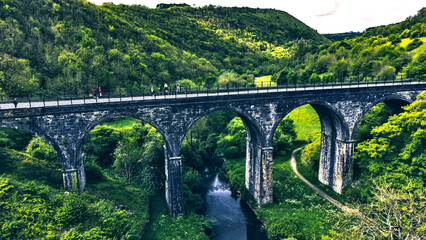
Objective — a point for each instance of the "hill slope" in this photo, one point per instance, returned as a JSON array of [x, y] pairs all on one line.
[[72, 46], [384, 52]]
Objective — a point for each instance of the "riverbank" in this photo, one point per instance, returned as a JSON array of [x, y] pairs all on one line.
[[297, 211]]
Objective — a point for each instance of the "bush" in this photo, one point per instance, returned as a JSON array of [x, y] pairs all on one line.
[[232, 143], [14, 138], [192, 179], [414, 44], [311, 156], [191, 226], [285, 227], [40, 149], [73, 211], [14, 230], [93, 171]]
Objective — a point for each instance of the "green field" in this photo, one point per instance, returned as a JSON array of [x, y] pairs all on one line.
[[264, 81], [306, 122], [121, 123]]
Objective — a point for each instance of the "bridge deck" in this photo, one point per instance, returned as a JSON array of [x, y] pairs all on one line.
[[196, 94]]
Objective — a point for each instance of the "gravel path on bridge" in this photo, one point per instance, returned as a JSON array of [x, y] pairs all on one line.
[[317, 190]]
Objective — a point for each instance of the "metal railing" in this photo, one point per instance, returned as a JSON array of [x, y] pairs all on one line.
[[51, 100]]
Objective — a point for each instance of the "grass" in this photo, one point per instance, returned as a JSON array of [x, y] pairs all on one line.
[[121, 123], [264, 81], [405, 41], [306, 122], [420, 49], [122, 194], [22, 167]]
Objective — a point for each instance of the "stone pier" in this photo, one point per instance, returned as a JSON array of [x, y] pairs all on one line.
[[174, 186]]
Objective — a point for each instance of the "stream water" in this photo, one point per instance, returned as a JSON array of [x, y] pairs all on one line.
[[234, 220]]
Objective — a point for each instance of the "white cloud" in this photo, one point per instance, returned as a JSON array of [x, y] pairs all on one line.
[[326, 16]]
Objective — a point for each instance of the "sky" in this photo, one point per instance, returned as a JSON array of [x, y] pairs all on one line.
[[325, 16]]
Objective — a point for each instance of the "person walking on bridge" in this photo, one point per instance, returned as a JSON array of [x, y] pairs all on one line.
[[100, 91], [177, 87], [165, 89], [94, 92], [15, 102]]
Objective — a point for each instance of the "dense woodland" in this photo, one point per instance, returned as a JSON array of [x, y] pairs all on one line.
[[69, 47], [74, 46]]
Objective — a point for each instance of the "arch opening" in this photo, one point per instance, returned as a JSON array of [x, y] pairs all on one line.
[[327, 135], [210, 139], [299, 127], [216, 141], [387, 107], [125, 149]]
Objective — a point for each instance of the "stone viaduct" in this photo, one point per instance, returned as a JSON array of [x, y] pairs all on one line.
[[339, 109]]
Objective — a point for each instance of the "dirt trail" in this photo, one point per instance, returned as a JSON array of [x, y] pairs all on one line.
[[319, 191]]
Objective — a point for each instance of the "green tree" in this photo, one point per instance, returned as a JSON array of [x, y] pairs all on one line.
[[285, 76], [128, 156], [397, 147], [284, 136], [232, 143], [311, 156], [100, 143], [231, 79], [341, 69], [376, 116], [16, 77]]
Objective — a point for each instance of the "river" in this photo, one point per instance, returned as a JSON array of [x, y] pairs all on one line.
[[234, 220]]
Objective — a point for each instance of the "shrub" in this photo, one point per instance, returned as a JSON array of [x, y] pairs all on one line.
[[414, 44], [14, 230], [73, 210], [93, 171], [193, 179], [311, 155], [40, 149], [284, 227]]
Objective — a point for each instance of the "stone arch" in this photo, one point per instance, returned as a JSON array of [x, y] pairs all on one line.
[[332, 120], [335, 168], [252, 126], [395, 102], [327, 113], [110, 116], [336, 147], [72, 173]]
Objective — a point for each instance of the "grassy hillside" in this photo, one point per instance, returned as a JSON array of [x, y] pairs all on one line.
[[385, 52], [306, 122], [70, 47]]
